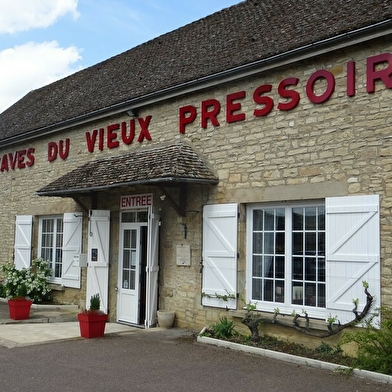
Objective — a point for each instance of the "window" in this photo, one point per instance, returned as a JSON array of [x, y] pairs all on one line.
[[134, 216], [51, 243], [286, 247]]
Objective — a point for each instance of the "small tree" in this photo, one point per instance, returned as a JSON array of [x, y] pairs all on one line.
[[374, 344]]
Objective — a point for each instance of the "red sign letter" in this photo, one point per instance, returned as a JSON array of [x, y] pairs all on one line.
[[260, 99], [52, 151], [291, 95], [382, 74], [112, 143], [144, 133], [232, 107], [187, 115], [329, 78], [125, 138], [90, 140], [210, 115], [350, 85]]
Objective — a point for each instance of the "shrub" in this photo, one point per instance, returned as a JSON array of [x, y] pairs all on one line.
[[374, 345], [224, 329], [31, 282], [95, 303]]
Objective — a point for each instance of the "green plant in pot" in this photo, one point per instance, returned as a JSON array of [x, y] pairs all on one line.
[[92, 321]]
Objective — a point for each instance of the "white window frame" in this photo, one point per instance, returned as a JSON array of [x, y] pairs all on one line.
[[352, 251], [285, 307], [55, 246]]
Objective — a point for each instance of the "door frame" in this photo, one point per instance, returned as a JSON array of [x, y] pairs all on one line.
[[122, 293], [151, 265]]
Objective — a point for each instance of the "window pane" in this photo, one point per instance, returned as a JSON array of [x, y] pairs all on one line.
[[142, 216], [310, 218], [125, 280], [279, 267], [321, 218], [297, 218], [127, 239], [258, 243], [257, 266], [126, 254], [310, 294], [279, 291], [46, 254], [128, 217], [269, 220], [269, 290], [257, 220], [298, 268], [280, 219], [269, 243], [298, 243], [310, 268], [321, 244], [279, 243], [321, 295], [257, 289], [268, 266], [298, 293], [310, 244], [132, 280], [321, 269], [133, 238]]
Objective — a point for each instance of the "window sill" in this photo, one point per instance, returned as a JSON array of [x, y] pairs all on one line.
[[57, 287]]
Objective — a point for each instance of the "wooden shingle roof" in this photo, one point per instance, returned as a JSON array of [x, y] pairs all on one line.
[[248, 32], [176, 163]]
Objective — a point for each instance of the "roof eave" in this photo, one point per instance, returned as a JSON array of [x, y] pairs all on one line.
[[154, 181]]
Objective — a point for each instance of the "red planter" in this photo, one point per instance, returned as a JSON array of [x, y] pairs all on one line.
[[92, 325], [19, 308]]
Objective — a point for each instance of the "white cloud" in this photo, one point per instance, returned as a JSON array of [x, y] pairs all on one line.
[[23, 15], [32, 65]]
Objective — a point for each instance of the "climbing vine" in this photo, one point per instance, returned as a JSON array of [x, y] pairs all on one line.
[[253, 319]]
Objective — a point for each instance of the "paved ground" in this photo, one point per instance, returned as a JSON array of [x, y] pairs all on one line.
[[51, 355], [46, 324]]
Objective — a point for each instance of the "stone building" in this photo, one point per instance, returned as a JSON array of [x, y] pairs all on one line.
[[245, 157]]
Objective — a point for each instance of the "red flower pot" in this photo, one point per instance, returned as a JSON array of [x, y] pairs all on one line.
[[92, 325], [19, 308]]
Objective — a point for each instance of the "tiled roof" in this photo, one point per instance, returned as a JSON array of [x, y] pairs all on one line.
[[250, 31], [176, 163]]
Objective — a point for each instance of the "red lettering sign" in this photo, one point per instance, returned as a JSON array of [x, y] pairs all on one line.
[[209, 111], [97, 136], [136, 201], [329, 78], [233, 107], [17, 160], [373, 74]]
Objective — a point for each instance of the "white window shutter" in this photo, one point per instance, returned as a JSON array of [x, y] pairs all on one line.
[[72, 243], [23, 231], [98, 257], [353, 253], [152, 269], [220, 255]]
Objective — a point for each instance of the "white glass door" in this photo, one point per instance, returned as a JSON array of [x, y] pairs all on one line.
[[128, 288]]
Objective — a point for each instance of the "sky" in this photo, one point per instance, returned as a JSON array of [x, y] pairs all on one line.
[[45, 40]]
